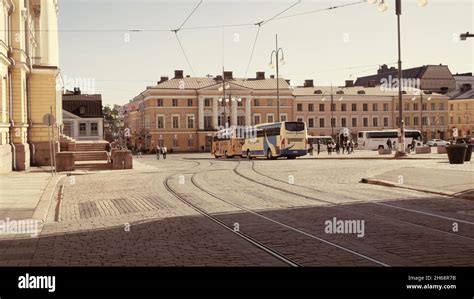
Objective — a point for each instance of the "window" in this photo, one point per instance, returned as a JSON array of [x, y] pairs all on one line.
[[375, 122], [191, 121], [343, 122], [310, 107], [452, 107], [441, 106], [241, 120], [433, 106], [208, 122], [415, 121], [161, 142], [441, 120], [343, 107], [333, 122], [423, 107], [283, 117], [407, 121], [407, 106], [321, 122], [365, 107], [311, 122], [175, 122], [354, 107], [424, 120], [299, 107], [82, 110], [82, 129], [365, 121], [159, 103], [333, 107], [190, 141], [270, 102], [241, 103], [94, 129], [415, 106], [175, 102], [207, 102], [321, 107], [269, 118], [354, 122], [160, 121], [385, 107], [375, 107], [256, 102], [256, 119], [385, 121], [175, 142], [300, 119], [190, 102]]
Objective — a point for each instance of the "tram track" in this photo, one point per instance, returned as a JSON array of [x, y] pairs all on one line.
[[343, 206]]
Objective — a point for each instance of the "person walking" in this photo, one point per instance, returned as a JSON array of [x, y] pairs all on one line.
[[351, 147], [389, 144], [139, 153], [311, 149], [158, 152], [338, 148], [319, 146], [164, 151], [344, 144], [329, 145]]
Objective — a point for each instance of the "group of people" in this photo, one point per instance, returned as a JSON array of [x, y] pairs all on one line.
[[347, 146], [160, 151]]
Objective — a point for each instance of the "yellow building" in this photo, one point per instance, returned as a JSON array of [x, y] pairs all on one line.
[[461, 117], [29, 72]]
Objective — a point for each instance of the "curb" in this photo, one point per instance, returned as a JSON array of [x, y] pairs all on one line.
[[413, 188], [43, 207]]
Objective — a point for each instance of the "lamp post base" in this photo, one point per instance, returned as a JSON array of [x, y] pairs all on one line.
[[399, 154]]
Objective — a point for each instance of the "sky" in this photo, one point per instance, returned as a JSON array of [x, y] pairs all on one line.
[[100, 53]]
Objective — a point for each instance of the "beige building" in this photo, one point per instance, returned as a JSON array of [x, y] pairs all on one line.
[[461, 116], [29, 72], [359, 108], [183, 113]]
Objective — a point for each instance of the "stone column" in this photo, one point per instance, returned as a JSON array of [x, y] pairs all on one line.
[[233, 113], [201, 113], [248, 112], [215, 112]]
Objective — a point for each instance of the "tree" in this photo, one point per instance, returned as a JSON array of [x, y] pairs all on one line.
[[111, 122]]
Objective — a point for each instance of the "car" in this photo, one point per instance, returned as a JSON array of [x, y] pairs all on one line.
[[436, 142], [464, 140]]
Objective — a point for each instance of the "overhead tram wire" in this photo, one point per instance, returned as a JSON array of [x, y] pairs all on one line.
[[320, 10], [179, 41], [280, 13]]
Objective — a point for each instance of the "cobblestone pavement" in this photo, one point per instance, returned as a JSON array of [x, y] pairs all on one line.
[[131, 218]]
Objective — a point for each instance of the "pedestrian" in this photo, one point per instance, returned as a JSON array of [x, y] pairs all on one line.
[[329, 145], [394, 145], [338, 148], [389, 144], [139, 154], [158, 151], [108, 148], [311, 149], [351, 147], [164, 151], [319, 146], [344, 144]]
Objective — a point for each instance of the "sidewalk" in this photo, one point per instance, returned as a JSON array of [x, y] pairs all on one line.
[[371, 155], [454, 183], [27, 195]]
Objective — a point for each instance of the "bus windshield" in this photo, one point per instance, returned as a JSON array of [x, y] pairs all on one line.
[[294, 126]]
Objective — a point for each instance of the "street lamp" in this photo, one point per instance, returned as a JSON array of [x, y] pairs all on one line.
[[277, 53], [382, 6], [224, 100], [464, 36], [332, 106]]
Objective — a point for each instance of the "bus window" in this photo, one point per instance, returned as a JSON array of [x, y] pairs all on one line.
[[294, 126]]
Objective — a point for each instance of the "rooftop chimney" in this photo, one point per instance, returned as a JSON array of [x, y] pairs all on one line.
[[349, 83], [77, 91], [163, 79], [308, 83], [272, 76], [260, 75], [178, 74], [228, 75]]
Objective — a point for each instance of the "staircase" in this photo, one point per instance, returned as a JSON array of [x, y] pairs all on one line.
[[91, 156]]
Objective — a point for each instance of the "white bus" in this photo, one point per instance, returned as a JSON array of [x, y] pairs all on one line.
[[285, 139], [375, 140]]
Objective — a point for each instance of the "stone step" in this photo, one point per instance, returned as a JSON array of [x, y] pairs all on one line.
[[93, 165], [90, 156], [88, 147]]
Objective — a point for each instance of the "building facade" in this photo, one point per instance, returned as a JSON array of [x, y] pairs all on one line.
[[82, 116], [183, 113], [29, 72]]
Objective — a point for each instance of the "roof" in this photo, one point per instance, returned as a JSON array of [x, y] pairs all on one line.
[[425, 72], [351, 91], [462, 95], [91, 103]]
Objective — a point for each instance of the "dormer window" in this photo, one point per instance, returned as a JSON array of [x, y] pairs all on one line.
[[339, 92], [318, 92], [82, 110], [361, 92]]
